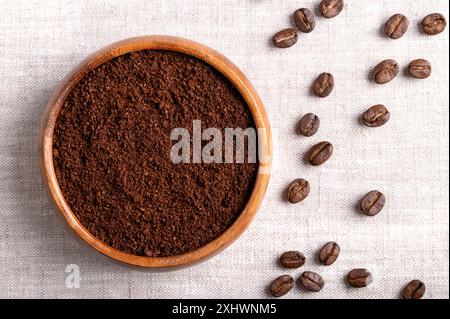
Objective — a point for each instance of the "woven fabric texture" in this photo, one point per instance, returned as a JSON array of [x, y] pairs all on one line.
[[407, 159]]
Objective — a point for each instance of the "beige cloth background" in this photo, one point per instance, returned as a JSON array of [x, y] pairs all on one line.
[[407, 158]]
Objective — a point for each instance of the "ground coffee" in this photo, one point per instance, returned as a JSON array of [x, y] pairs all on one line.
[[112, 153]]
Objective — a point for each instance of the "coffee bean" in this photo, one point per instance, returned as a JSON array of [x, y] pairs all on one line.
[[385, 71], [376, 115], [309, 124], [359, 278], [434, 24], [298, 190], [420, 68], [320, 153], [323, 85], [285, 38], [304, 20], [331, 8], [372, 203], [415, 289], [396, 26], [329, 253], [292, 259], [281, 286], [311, 281]]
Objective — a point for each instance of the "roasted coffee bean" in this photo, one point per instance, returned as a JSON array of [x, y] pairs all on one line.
[[320, 153], [285, 38], [304, 20], [385, 71], [359, 278], [323, 85], [281, 286], [415, 289], [420, 68], [329, 253], [331, 8], [396, 26], [434, 24], [298, 190], [292, 259], [309, 124], [311, 281], [372, 203], [376, 115]]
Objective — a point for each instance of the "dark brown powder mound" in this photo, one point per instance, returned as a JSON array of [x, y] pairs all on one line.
[[112, 153]]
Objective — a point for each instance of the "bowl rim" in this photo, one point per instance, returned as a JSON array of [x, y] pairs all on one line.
[[222, 65]]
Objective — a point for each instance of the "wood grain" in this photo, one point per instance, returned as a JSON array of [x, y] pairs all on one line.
[[157, 42]]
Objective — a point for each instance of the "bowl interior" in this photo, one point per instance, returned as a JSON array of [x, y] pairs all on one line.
[[224, 66]]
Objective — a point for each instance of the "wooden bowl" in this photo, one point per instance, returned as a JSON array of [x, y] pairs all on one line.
[[219, 62]]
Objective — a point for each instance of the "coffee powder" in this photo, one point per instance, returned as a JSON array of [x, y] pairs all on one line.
[[112, 153]]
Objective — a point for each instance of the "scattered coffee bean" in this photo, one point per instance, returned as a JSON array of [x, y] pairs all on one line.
[[285, 38], [309, 124], [415, 289], [304, 20], [434, 24], [298, 190], [320, 153], [311, 281], [372, 203], [359, 278], [396, 26], [376, 115], [420, 68], [329, 253], [292, 259], [385, 71], [323, 85], [281, 286], [331, 8]]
